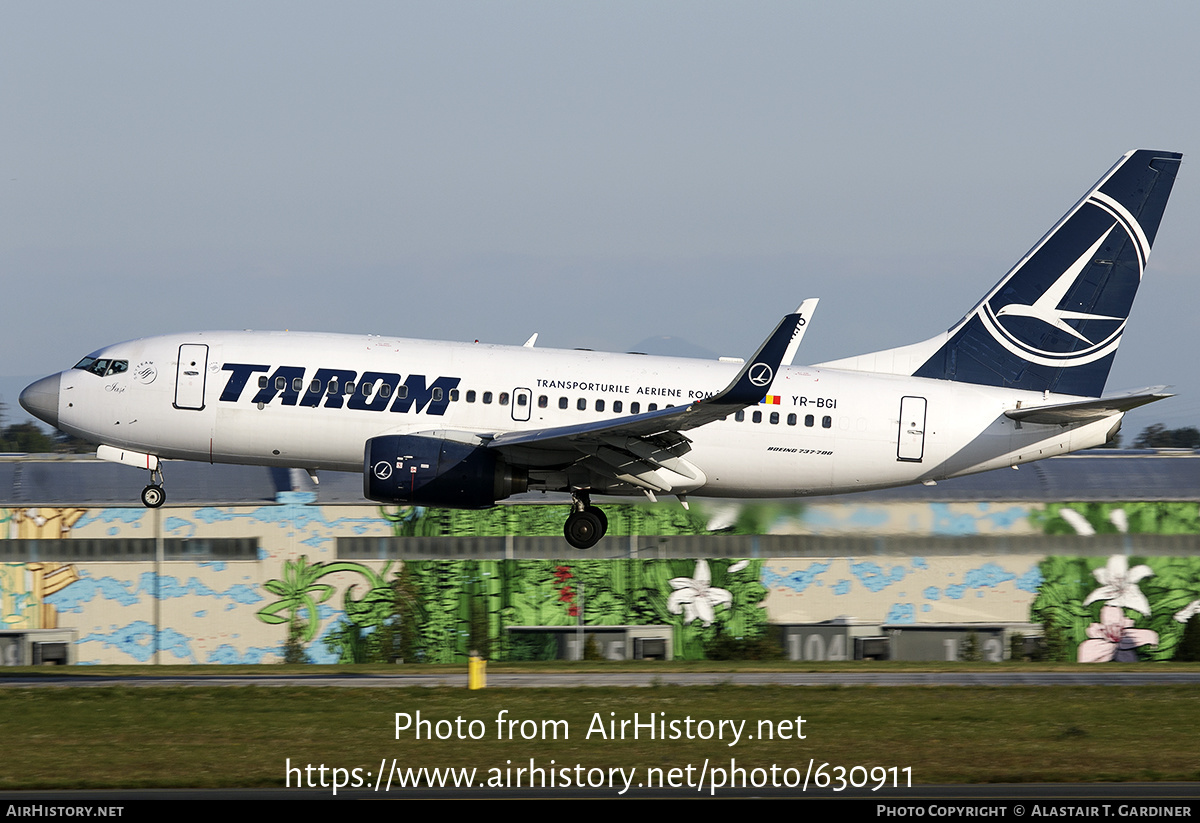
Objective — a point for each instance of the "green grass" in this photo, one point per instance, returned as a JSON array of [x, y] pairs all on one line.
[[128, 737]]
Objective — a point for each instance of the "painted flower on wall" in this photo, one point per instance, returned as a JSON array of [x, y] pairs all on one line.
[[566, 594], [696, 598], [1119, 585], [1158, 597], [1188, 612], [1114, 638]]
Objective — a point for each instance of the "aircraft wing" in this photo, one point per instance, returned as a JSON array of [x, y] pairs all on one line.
[[1084, 410], [634, 447]]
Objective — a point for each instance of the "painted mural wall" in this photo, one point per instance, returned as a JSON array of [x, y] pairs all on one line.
[[208, 609], [1100, 607]]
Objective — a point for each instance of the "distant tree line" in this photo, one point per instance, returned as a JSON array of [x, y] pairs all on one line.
[[30, 438], [1159, 436]]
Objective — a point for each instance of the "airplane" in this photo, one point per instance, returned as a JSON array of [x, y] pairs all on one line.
[[1019, 378]]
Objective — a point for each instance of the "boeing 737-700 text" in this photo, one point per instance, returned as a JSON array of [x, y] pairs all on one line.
[[1020, 378]]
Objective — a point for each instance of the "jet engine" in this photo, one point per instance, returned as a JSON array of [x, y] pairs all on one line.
[[437, 471]]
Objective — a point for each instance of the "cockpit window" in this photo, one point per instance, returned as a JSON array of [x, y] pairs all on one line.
[[102, 366]]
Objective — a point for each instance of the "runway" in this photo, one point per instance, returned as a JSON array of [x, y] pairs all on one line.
[[1095, 676]]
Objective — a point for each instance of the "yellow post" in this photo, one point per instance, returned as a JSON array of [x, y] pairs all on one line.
[[477, 673]]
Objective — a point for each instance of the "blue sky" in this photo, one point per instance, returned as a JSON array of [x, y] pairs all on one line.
[[600, 173]]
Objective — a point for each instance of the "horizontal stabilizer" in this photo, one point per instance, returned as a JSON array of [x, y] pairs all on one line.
[[1085, 410]]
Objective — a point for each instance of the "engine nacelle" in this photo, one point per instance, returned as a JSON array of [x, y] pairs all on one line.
[[434, 471]]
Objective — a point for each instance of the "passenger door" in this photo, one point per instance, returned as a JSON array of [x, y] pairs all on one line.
[[910, 442], [190, 374]]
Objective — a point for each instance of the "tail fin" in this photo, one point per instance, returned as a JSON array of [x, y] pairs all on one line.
[[1053, 323]]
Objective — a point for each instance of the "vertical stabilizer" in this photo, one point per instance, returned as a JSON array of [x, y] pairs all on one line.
[[1053, 323]]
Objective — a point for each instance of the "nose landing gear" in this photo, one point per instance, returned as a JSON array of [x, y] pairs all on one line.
[[586, 524], [153, 495]]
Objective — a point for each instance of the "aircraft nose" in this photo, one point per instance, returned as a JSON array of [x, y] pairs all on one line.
[[41, 399]]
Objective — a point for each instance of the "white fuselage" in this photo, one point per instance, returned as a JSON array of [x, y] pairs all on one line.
[[821, 431]]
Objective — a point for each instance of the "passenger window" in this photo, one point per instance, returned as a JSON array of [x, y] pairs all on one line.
[[756, 417], [617, 406], [503, 398], [809, 420], [487, 397], [826, 422], [581, 404], [635, 408], [262, 381], [740, 416], [298, 384], [454, 395], [402, 391], [600, 405], [562, 402], [471, 396], [774, 418], [652, 407], [522, 399], [543, 401], [385, 390], [349, 388], [436, 394], [333, 386], [791, 419], [280, 383], [315, 386]]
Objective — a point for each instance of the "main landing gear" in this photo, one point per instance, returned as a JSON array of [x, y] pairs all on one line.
[[586, 524], [153, 495]]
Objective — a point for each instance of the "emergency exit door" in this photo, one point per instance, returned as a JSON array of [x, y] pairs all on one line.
[[522, 404]]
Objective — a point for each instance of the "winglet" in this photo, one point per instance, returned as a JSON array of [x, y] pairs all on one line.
[[806, 312], [755, 378]]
